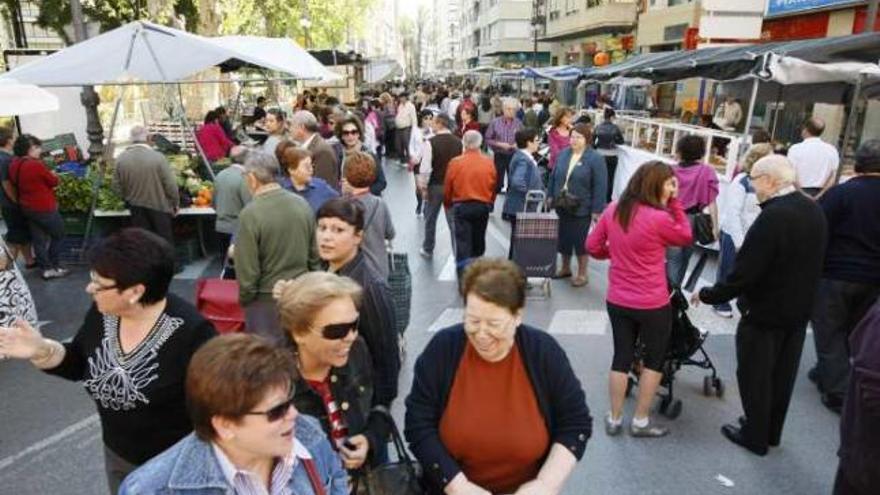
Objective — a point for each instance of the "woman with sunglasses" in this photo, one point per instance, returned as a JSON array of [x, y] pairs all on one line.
[[319, 310], [350, 132], [130, 353], [495, 406], [248, 436]]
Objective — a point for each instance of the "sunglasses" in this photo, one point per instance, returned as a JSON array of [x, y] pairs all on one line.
[[352, 132], [275, 413], [339, 331]]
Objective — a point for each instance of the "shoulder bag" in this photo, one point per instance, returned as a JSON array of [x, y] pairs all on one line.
[[402, 477], [567, 202], [701, 225]]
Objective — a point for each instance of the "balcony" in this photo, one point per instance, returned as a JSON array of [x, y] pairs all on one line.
[[606, 17]]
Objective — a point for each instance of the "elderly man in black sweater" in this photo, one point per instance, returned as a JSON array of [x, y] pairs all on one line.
[[775, 277]]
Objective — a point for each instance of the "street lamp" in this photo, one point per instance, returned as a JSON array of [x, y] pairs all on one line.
[[306, 24]]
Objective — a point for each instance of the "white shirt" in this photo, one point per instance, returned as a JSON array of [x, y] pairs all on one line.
[[453, 108], [814, 161], [740, 209]]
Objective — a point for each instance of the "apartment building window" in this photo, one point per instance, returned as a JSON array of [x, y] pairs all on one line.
[[595, 3], [553, 9], [672, 3]]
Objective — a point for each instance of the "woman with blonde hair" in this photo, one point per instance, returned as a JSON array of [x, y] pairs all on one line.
[[320, 312], [740, 211]]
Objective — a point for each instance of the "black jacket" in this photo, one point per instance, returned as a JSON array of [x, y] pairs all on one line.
[[377, 325], [777, 270], [352, 389], [559, 394]]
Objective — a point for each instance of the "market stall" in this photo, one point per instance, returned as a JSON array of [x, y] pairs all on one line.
[[144, 53]]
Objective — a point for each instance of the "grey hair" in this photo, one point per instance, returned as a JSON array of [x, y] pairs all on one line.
[[263, 165], [139, 134], [510, 103], [306, 119], [776, 166], [755, 153], [472, 140]]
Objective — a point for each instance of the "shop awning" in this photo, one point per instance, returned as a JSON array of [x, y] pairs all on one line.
[[557, 73], [379, 71], [728, 63], [144, 52]]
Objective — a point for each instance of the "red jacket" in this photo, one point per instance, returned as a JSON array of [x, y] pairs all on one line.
[[470, 177], [35, 184], [214, 142]]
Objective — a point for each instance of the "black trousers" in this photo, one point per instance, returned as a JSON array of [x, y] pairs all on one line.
[[767, 364], [838, 308], [471, 220], [611, 165], [401, 141], [652, 327], [502, 163], [158, 222]]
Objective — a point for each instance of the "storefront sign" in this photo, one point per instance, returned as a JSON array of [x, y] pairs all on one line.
[[784, 7]]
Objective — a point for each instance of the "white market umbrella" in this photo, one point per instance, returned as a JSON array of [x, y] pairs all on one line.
[[24, 99]]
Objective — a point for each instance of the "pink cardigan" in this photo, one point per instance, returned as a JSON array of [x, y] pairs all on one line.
[[557, 142], [637, 277]]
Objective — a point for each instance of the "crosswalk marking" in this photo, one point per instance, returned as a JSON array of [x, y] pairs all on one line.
[[579, 322], [449, 317], [594, 322]]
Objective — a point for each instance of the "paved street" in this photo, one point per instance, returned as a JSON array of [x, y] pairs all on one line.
[[49, 433]]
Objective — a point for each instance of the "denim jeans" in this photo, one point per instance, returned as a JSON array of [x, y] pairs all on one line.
[[677, 260], [47, 232], [727, 255]]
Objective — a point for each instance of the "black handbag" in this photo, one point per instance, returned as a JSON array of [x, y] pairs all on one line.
[[567, 202], [701, 227], [402, 477]]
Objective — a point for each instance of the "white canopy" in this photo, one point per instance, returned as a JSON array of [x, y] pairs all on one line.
[[24, 99], [145, 52], [278, 54], [379, 71]]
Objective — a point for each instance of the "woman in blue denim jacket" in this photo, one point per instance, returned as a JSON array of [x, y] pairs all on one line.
[[580, 173], [248, 436], [524, 177]]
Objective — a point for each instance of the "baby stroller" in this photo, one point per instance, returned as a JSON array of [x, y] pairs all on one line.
[[685, 349]]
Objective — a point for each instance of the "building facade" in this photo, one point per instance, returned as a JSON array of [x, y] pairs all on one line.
[[580, 30], [500, 33]]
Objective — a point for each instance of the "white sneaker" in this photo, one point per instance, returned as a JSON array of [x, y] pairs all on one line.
[[425, 254], [55, 273], [724, 313]]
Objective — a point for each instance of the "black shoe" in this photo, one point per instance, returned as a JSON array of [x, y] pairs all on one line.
[[833, 402], [742, 423], [813, 375], [734, 434]]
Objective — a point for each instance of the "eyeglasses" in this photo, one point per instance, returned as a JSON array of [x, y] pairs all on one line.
[[96, 285], [339, 331], [756, 177], [495, 328], [350, 132], [275, 413]]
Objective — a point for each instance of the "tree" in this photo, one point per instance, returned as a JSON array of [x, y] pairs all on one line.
[[110, 14], [332, 21]]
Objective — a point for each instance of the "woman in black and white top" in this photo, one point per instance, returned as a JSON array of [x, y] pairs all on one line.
[[131, 353]]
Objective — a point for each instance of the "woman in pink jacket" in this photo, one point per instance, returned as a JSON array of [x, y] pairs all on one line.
[[559, 136], [635, 232]]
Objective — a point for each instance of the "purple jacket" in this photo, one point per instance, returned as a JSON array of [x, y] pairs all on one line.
[[860, 421]]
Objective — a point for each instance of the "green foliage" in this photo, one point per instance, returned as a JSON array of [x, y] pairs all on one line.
[[332, 21], [110, 14], [74, 194]]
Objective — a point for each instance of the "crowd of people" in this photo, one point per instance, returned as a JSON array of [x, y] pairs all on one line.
[[299, 402]]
